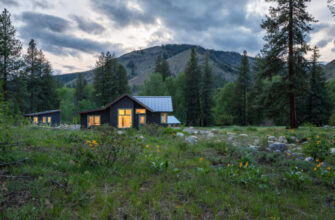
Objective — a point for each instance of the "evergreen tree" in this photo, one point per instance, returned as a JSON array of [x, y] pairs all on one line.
[[153, 86], [123, 86], [240, 100], [286, 29], [192, 91], [318, 106], [223, 111], [10, 49], [162, 67], [207, 86], [80, 88]]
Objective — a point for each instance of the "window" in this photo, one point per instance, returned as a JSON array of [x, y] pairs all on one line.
[[125, 118], [142, 119], [93, 120], [140, 111], [164, 118], [36, 119], [44, 119], [49, 119]]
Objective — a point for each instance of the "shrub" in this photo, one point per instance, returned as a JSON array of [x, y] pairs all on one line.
[[152, 130], [296, 178], [317, 147]]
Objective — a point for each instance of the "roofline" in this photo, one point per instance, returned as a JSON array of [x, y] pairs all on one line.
[[42, 113], [116, 100]]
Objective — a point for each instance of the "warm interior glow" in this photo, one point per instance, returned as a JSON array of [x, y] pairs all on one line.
[[49, 119], [142, 119], [164, 118], [125, 118], [35, 119], [44, 119], [93, 120], [140, 111]]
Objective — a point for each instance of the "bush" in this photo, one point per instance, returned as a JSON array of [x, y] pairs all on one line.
[[296, 178], [317, 147]]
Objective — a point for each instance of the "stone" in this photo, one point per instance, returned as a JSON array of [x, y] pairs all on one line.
[[270, 142], [293, 138], [291, 145], [326, 126], [119, 132], [179, 134], [204, 132], [192, 139], [253, 147], [256, 142], [235, 144], [230, 138], [243, 135], [282, 139], [332, 150], [231, 134], [278, 147], [214, 131], [309, 159], [271, 138], [298, 155], [210, 135]]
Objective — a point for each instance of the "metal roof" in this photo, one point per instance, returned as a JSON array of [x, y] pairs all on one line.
[[157, 103], [42, 113], [172, 120]]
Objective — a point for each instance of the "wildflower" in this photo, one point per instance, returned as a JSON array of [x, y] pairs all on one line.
[[315, 168], [317, 160], [87, 172], [201, 159], [178, 206], [139, 203], [88, 142], [288, 154], [157, 146], [318, 142], [147, 146], [226, 148], [291, 130], [318, 136], [93, 142], [318, 165], [246, 164], [328, 168], [241, 164], [228, 165], [91, 145], [78, 164]]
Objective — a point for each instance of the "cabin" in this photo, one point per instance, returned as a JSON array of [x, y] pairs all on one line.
[[129, 112], [51, 117], [173, 121]]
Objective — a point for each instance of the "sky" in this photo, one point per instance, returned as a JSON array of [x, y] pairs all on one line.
[[72, 33]]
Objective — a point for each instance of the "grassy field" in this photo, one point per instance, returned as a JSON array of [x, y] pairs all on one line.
[[153, 174]]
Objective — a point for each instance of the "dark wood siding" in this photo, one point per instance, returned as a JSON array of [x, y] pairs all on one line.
[[55, 118], [104, 117], [123, 103]]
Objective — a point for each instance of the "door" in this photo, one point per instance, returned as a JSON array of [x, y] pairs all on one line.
[[125, 118]]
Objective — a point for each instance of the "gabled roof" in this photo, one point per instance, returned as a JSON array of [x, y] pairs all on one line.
[[172, 120], [42, 113], [157, 103]]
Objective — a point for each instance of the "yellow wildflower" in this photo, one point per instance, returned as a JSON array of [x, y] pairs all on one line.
[[178, 206], [139, 203], [317, 136], [318, 142], [157, 146], [318, 165], [91, 145], [147, 146], [246, 164], [228, 165], [78, 164], [94, 142], [317, 160], [226, 148], [201, 159], [328, 168], [288, 154], [315, 168], [241, 164], [291, 130], [88, 142]]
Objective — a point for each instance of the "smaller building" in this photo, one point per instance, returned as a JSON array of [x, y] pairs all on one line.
[[173, 121], [51, 117]]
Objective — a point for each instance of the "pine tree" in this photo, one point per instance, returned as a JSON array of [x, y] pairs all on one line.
[[80, 88], [240, 100], [286, 28], [318, 106], [10, 49], [192, 91], [162, 67], [123, 86], [207, 87]]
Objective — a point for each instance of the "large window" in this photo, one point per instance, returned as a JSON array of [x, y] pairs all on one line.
[[141, 119], [49, 119], [93, 120], [44, 119], [164, 118], [36, 119], [125, 118], [140, 111]]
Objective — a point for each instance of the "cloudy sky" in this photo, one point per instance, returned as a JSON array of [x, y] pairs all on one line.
[[73, 32]]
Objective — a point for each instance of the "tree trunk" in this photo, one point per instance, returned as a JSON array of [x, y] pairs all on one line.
[[293, 115]]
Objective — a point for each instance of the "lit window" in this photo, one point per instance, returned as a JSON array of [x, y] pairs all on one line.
[[93, 120], [44, 119], [36, 119], [49, 119], [163, 118], [142, 119], [140, 111], [125, 118]]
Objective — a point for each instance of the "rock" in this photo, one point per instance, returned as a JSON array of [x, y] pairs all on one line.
[[271, 138], [204, 132], [291, 145], [192, 139], [270, 142], [230, 138], [282, 139], [214, 131], [235, 144], [243, 135], [210, 135], [309, 159], [278, 147], [253, 147], [231, 134], [326, 126], [179, 134], [332, 150], [119, 132], [256, 142], [293, 138], [298, 155]]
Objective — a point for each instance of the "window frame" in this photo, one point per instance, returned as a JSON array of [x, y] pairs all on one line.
[[139, 119], [125, 114], [44, 119], [94, 125], [35, 121], [49, 121], [141, 113], [166, 120]]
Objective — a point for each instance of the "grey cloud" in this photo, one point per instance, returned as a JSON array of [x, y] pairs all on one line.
[[44, 21], [69, 67], [323, 43], [9, 2], [88, 26], [333, 50], [44, 4]]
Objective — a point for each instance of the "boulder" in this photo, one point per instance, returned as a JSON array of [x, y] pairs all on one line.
[[231, 134], [293, 138], [271, 138], [235, 144], [299, 156], [282, 139], [326, 126], [256, 142], [119, 132], [332, 150], [243, 135], [253, 147], [278, 147], [230, 138], [309, 159], [210, 135], [214, 131], [179, 134], [192, 139]]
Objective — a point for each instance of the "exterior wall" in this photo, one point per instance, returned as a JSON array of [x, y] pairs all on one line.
[[123, 103], [104, 118], [55, 118]]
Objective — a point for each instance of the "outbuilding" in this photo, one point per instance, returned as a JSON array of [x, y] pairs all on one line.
[[51, 117], [129, 112]]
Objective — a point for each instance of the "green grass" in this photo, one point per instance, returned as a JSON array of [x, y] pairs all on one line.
[[120, 177]]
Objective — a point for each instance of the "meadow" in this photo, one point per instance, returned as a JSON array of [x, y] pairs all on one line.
[[153, 173]]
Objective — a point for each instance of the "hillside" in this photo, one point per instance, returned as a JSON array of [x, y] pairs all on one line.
[[141, 63], [330, 70]]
